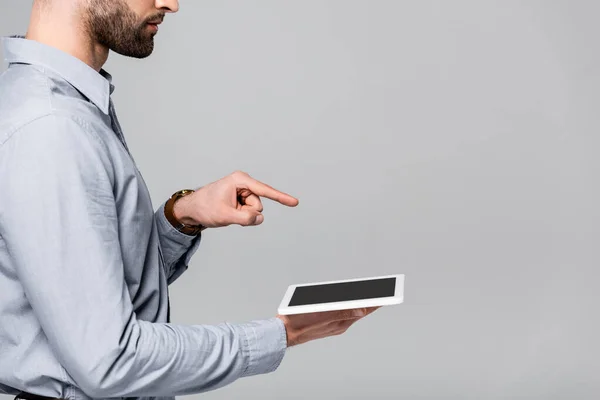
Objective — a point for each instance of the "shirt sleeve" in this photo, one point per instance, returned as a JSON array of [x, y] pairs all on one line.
[[59, 222], [177, 247]]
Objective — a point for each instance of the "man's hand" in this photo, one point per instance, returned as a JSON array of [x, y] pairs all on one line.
[[234, 199], [302, 328]]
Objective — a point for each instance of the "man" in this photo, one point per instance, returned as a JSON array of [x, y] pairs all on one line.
[[85, 261]]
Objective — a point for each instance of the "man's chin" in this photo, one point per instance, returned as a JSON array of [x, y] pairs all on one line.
[[137, 53]]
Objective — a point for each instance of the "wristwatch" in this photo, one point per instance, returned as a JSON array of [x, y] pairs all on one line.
[[192, 230]]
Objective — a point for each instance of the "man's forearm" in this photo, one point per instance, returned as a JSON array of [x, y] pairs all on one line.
[[174, 360]]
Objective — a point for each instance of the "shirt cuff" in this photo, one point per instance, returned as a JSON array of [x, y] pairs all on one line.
[[166, 228], [264, 344], [174, 243]]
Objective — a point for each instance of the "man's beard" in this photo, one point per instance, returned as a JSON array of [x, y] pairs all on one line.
[[113, 24]]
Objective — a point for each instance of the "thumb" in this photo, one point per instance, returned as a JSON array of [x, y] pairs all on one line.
[[245, 217]]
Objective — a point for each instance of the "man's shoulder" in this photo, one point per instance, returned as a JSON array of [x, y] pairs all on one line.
[[33, 98], [63, 140], [25, 98], [56, 135]]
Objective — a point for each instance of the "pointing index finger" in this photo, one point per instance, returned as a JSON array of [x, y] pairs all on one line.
[[264, 190]]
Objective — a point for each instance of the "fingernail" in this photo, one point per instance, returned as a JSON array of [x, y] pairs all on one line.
[[359, 313]]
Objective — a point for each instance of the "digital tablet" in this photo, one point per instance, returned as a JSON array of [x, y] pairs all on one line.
[[343, 294]]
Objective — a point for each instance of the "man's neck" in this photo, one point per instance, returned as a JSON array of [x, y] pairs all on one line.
[[63, 30]]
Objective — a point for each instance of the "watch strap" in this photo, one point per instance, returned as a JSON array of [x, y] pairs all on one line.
[[192, 230]]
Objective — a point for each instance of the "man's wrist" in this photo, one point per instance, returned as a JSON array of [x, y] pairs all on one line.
[[177, 211], [180, 211]]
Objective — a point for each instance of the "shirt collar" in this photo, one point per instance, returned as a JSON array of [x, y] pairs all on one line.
[[96, 86]]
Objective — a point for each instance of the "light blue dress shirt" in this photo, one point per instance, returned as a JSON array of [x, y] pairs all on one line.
[[85, 261]]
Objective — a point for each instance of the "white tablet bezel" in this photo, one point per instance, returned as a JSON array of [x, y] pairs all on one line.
[[397, 298]]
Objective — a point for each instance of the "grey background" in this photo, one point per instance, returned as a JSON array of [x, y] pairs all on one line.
[[455, 142]]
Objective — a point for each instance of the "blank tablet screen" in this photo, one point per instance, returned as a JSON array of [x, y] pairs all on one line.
[[343, 291]]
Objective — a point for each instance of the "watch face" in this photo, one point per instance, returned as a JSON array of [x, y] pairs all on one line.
[[183, 192]]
